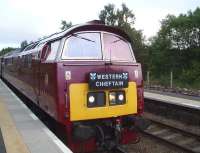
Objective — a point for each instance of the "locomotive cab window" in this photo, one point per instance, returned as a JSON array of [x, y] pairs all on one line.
[[83, 46], [90, 45], [117, 49]]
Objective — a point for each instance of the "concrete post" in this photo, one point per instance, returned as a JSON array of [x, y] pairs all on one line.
[[171, 79], [148, 79]]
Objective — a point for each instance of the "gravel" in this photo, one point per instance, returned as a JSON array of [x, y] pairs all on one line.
[[149, 144]]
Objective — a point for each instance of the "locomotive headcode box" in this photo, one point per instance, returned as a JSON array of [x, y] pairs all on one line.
[[108, 80]]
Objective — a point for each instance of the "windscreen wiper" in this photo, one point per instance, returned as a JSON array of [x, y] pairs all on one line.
[[77, 36], [116, 41]]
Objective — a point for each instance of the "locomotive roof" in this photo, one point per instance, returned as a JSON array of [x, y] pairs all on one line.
[[94, 25], [89, 26]]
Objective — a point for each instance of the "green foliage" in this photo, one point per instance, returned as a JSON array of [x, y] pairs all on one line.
[[108, 15], [65, 25], [116, 17], [6, 50], [23, 44], [176, 47], [124, 19]]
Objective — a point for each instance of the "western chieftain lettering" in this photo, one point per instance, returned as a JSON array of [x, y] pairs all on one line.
[[109, 80], [109, 84], [109, 76]]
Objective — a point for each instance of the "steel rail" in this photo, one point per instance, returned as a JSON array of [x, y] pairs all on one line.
[[176, 137]]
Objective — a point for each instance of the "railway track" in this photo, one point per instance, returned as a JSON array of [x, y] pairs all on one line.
[[179, 138]]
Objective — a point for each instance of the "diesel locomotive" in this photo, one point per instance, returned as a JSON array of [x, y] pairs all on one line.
[[85, 78]]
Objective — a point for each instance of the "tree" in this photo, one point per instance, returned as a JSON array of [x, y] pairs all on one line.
[[23, 44], [108, 15], [124, 19], [65, 25], [6, 50], [176, 47]]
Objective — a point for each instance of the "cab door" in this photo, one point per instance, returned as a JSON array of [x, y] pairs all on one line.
[[47, 78], [36, 63]]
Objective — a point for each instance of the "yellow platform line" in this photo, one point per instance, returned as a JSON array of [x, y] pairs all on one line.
[[12, 138]]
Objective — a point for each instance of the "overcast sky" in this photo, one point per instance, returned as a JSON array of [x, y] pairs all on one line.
[[30, 19]]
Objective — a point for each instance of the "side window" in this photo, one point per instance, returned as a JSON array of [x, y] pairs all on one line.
[[5, 61], [35, 55], [9, 61], [25, 60], [43, 52], [52, 51]]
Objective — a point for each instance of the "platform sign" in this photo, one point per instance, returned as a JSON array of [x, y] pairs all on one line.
[[108, 80]]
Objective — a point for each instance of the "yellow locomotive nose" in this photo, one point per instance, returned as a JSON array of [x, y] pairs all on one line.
[[101, 104]]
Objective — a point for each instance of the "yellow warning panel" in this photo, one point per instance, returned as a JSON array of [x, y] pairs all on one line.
[[80, 111]]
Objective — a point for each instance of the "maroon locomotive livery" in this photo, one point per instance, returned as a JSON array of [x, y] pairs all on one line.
[[87, 79]]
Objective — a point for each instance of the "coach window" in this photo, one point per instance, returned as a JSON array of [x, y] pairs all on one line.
[[25, 60], [83, 46], [29, 60], [51, 55]]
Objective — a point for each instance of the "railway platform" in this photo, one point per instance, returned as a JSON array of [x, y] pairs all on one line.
[[195, 104], [21, 131]]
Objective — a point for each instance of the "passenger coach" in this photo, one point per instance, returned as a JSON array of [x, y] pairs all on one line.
[[87, 79]]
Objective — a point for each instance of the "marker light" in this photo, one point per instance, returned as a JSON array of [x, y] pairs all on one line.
[[121, 97], [112, 98], [91, 99], [96, 99], [117, 97]]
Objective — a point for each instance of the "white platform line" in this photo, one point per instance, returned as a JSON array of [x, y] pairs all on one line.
[[24, 106], [191, 105], [59, 143], [62, 147], [33, 116], [49, 133]]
